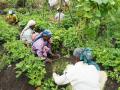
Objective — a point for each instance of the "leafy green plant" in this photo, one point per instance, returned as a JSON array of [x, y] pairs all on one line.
[[49, 84], [60, 65], [7, 34], [34, 69], [16, 50], [72, 39], [109, 58]]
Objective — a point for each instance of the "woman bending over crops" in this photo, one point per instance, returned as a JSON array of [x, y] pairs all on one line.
[[42, 44], [84, 74], [11, 18], [26, 34]]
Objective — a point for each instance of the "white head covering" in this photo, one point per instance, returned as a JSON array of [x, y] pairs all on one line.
[[11, 12], [30, 23]]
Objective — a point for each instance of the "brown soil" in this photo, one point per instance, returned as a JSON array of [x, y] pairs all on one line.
[[111, 85], [8, 80]]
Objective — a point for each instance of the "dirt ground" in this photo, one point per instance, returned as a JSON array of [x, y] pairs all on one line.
[[8, 81], [111, 85]]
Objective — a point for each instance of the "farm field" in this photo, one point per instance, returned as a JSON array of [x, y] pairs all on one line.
[[87, 23]]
